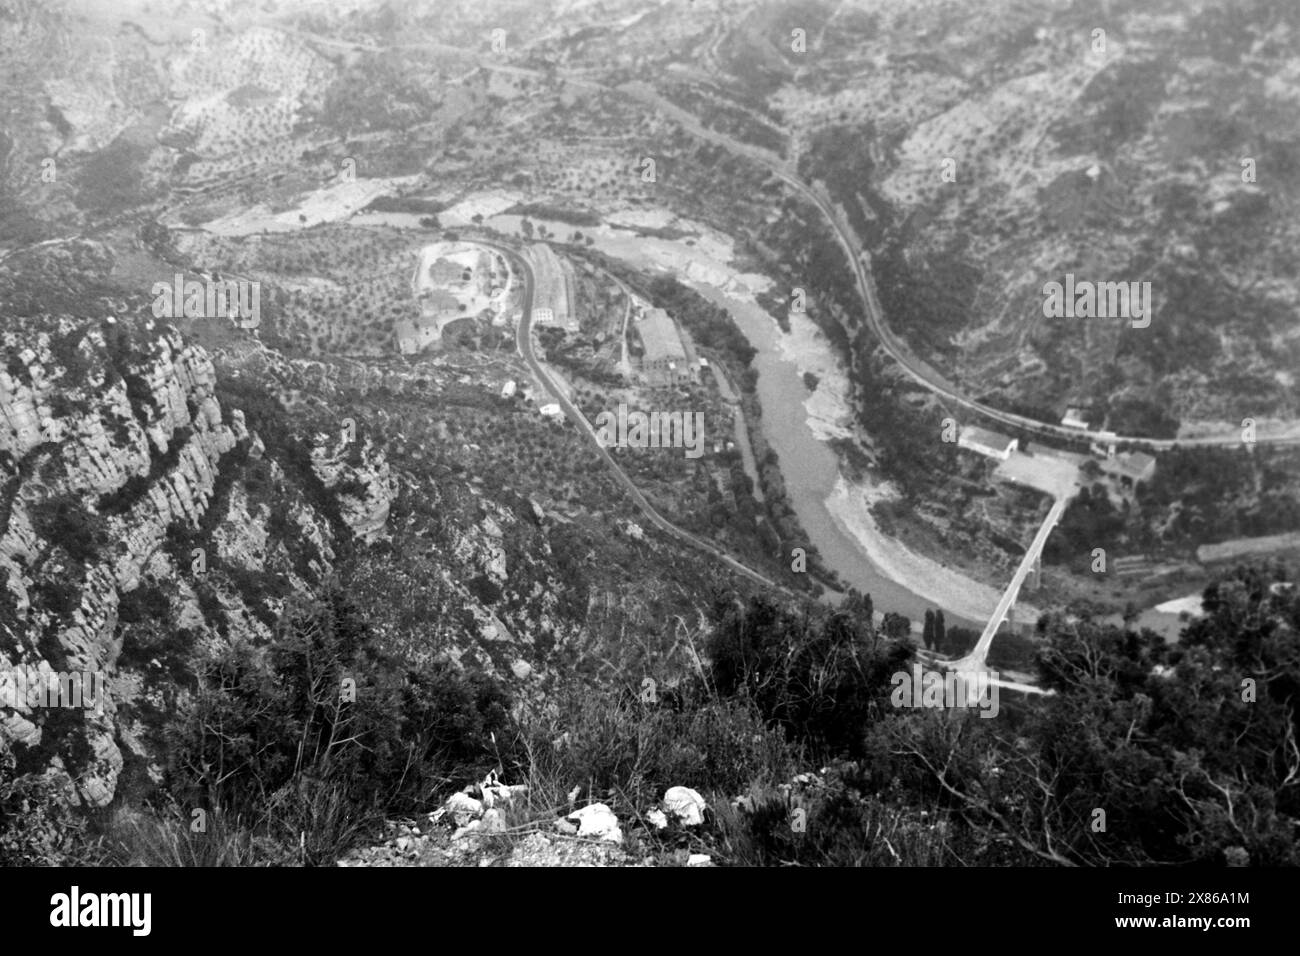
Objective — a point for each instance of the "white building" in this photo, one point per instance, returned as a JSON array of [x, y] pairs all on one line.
[[988, 443], [1074, 418]]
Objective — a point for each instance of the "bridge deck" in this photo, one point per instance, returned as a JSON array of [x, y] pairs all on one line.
[[1008, 599]]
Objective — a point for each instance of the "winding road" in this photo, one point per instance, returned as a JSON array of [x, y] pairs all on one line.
[[524, 344], [860, 261]]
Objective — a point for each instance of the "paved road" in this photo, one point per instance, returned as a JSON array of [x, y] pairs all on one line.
[[860, 261], [524, 343]]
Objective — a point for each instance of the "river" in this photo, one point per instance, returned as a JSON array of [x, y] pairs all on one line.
[[810, 468]]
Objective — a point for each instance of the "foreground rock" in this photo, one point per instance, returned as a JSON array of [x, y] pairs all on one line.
[[686, 805], [528, 849], [597, 821]]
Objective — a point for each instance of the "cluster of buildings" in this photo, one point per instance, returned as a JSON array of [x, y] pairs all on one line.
[[453, 280], [1128, 468]]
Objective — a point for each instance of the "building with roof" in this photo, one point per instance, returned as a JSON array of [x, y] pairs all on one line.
[[1130, 468], [1074, 418], [987, 443], [666, 360], [555, 291]]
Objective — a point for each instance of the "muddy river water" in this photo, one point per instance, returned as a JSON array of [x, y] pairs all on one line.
[[795, 421]]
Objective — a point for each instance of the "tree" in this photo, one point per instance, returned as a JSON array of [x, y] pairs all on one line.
[[1190, 755], [940, 632], [815, 674], [896, 626], [927, 630]]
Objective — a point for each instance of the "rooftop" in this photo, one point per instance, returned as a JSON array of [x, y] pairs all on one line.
[[975, 435], [659, 335], [1136, 464]]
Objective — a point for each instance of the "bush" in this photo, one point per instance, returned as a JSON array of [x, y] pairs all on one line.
[[173, 838], [322, 735], [36, 828], [838, 824], [821, 677], [629, 754], [66, 522]]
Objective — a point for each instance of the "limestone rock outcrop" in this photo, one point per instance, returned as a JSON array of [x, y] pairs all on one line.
[[108, 440]]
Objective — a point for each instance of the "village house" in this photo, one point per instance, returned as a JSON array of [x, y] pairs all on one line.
[[987, 443], [1130, 468], [1074, 418]]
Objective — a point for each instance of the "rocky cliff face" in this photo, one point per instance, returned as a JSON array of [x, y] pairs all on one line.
[[110, 439], [363, 481], [162, 503], [147, 521]]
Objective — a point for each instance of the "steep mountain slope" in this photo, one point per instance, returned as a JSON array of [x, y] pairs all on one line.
[[160, 505]]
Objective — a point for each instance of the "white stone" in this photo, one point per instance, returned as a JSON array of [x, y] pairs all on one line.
[[463, 808], [699, 859], [467, 829], [686, 805], [597, 820]]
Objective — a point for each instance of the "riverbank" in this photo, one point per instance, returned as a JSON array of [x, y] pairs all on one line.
[[798, 422], [849, 505]]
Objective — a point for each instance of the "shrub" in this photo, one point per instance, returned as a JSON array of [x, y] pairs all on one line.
[[171, 837], [840, 825], [67, 522], [820, 676], [36, 827], [322, 734], [630, 754]]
